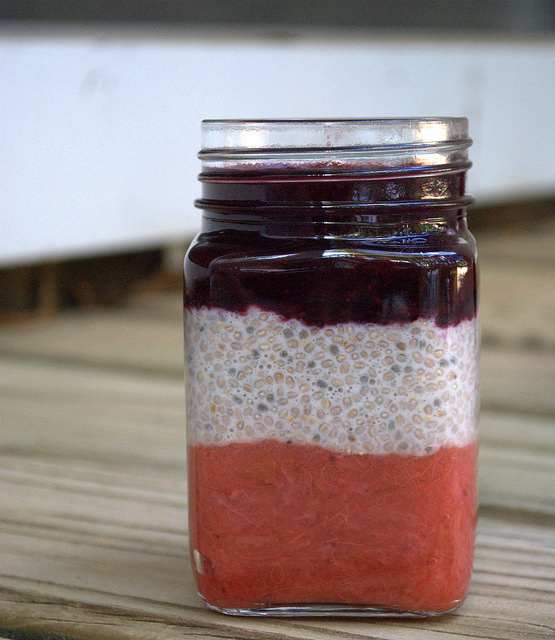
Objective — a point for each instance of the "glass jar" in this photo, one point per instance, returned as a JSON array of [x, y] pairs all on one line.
[[331, 368]]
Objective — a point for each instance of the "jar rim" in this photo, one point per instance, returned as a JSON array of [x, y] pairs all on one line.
[[282, 136]]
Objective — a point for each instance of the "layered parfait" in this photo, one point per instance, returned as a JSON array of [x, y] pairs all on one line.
[[331, 408]]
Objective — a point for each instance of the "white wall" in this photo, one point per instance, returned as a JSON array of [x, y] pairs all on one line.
[[99, 130]]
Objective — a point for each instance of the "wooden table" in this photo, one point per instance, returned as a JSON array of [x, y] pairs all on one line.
[[93, 534]]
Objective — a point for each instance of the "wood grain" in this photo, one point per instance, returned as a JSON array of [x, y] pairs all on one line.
[[94, 500], [93, 532]]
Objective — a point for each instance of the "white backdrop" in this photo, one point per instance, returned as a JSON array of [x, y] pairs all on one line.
[[99, 129]]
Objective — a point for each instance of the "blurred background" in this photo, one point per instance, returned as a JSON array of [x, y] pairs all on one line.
[[101, 104]]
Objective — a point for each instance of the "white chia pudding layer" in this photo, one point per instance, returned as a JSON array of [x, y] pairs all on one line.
[[358, 388]]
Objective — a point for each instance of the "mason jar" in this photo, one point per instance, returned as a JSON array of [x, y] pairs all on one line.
[[331, 368]]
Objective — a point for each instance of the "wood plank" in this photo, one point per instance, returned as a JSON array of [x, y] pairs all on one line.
[[151, 324], [512, 377], [130, 592], [93, 537], [517, 306], [512, 565], [103, 338], [93, 532], [519, 381], [166, 305], [533, 242], [517, 286], [119, 421], [517, 467]]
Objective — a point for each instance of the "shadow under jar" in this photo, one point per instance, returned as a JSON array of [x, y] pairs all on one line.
[[331, 368]]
